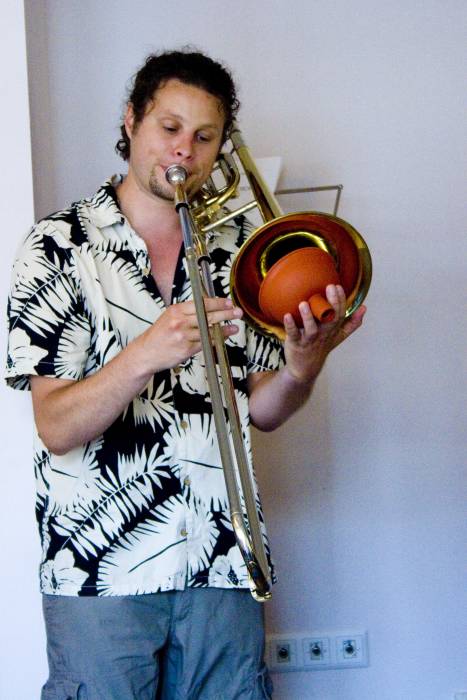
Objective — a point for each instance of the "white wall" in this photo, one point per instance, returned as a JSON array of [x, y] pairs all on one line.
[[23, 652], [365, 489]]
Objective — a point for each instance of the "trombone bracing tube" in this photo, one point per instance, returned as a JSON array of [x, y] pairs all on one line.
[[231, 446]]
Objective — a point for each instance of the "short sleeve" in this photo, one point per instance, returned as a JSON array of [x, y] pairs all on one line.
[[48, 329]]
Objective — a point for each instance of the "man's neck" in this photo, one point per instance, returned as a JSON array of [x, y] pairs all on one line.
[[151, 217]]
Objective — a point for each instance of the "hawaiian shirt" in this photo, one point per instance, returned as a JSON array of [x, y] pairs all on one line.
[[143, 508]]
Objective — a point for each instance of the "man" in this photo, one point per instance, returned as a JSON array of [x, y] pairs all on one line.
[[143, 585]]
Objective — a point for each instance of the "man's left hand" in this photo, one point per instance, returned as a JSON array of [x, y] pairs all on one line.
[[307, 348]]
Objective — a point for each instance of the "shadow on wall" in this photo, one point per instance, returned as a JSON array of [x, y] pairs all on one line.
[[294, 466]]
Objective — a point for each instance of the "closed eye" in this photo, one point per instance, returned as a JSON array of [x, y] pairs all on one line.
[[205, 137]]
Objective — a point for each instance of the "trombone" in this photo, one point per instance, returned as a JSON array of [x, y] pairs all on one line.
[[279, 234]]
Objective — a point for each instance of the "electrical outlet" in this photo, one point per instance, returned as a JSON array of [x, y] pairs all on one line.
[[283, 654], [315, 651], [351, 650]]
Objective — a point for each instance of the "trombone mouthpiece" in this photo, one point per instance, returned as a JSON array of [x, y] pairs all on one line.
[[176, 175]]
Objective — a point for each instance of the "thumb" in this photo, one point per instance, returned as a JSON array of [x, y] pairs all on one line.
[[352, 323]]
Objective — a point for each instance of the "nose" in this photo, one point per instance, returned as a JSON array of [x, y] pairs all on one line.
[[183, 147]]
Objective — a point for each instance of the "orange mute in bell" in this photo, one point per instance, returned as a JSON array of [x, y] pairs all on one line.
[[301, 275]]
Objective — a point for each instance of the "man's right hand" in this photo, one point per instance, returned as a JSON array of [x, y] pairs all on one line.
[[71, 413], [175, 336]]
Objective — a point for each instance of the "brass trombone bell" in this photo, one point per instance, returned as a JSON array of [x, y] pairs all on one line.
[[279, 237]]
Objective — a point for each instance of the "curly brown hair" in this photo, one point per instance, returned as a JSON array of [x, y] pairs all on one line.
[[188, 66]]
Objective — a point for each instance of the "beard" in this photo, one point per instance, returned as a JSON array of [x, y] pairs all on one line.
[[161, 189]]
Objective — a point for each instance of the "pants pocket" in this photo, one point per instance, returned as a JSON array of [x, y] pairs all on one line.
[[63, 690]]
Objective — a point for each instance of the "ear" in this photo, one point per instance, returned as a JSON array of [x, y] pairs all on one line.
[[129, 120]]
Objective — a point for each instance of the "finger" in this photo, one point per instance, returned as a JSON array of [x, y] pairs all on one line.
[[188, 308], [230, 329], [309, 324], [218, 303], [353, 323], [335, 296], [224, 315], [291, 329], [341, 301], [193, 340], [217, 311]]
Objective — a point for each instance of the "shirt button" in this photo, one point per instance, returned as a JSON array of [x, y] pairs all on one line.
[[146, 271], [177, 370], [187, 481], [183, 532], [184, 425]]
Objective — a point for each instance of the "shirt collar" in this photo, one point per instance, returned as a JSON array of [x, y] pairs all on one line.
[[103, 207]]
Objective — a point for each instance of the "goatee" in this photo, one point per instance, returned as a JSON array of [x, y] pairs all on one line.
[[163, 191]]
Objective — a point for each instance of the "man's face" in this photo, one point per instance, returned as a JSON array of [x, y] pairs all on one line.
[[183, 125]]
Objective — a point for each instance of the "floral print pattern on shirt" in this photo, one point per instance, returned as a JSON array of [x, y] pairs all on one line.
[[143, 508]]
